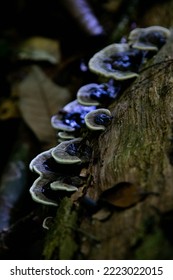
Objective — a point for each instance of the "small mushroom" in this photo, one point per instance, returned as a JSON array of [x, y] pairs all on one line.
[[71, 117], [150, 39], [96, 94], [117, 61], [72, 151], [98, 119]]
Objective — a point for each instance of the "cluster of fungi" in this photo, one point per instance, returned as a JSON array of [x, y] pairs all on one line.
[[60, 168]]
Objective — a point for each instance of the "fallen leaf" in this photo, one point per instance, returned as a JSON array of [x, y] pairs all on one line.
[[39, 99], [40, 49], [124, 194]]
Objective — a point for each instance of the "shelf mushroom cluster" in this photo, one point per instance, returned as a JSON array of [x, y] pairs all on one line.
[[59, 168]]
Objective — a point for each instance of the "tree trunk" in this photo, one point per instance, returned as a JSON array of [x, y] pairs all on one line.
[[138, 150], [138, 153]]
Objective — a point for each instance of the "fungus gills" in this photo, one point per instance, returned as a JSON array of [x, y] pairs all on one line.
[[59, 168]]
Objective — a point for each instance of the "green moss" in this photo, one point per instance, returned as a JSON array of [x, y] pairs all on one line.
[[154, 246], [60, 242]]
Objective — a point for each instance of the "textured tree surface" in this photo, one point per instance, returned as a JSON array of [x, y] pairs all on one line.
[[137, 148]]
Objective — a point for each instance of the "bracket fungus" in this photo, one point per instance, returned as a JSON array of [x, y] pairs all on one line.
[[71, 117], [53, 177], [72, 151], [96, 94], [38, 194], [150, 39], [60, 168], [46, 175], [117, 61], [37, 164], [98, 119]]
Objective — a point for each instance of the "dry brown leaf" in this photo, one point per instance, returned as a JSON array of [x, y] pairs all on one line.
[[124, 194], [39, 99]]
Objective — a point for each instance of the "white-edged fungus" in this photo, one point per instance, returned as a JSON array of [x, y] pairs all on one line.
[[117, 61], [71, 117], [72, 151], [53, 176], [37, 192], [64, 135], [96, 94], [47, 222], [98, 119], [150, 38], [60, 185], [37, 164], [84, 94]]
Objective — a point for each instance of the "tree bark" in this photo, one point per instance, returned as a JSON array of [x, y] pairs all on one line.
[[138, 151]]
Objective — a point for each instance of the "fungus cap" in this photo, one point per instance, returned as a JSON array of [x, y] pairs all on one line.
[[37, 165], [37, 193], [60, 185], [96, 94], [84, 94], [151, 38], [101, 62], [98, 119], [57, 123], [65, 152], [64, 135], [71, 117]]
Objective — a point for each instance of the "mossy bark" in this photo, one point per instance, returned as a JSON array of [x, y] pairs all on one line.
[[60, 242]]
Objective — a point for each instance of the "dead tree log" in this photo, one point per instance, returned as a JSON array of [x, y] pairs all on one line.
[[136, 153], [138, 149]]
